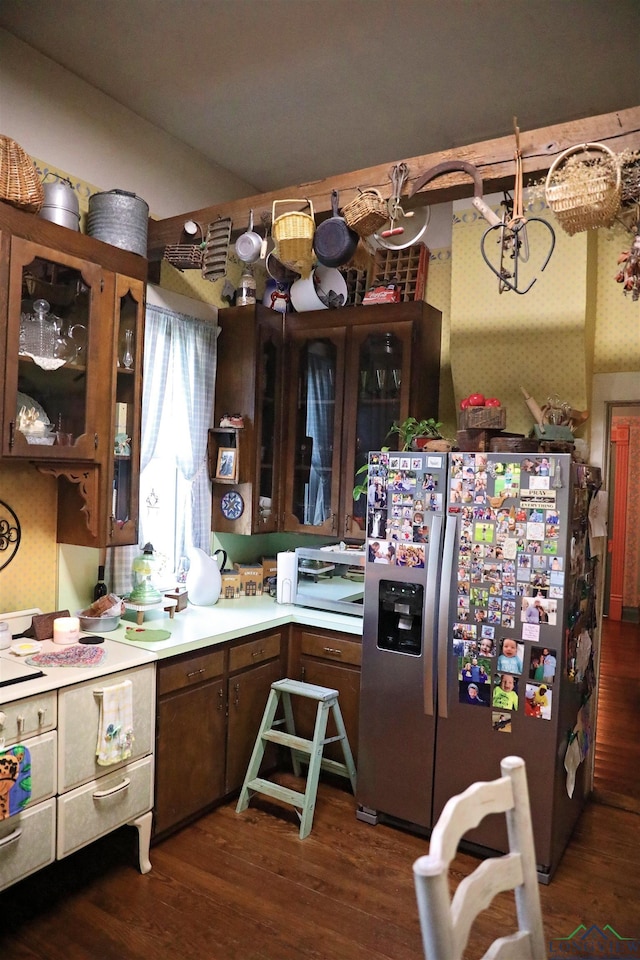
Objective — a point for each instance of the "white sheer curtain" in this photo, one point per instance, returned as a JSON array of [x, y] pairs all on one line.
[[177, 410]]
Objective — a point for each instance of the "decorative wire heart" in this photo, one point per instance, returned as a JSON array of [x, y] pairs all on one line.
[[512, 237]]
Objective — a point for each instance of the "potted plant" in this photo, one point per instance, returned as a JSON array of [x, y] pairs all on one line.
[[415, 434]]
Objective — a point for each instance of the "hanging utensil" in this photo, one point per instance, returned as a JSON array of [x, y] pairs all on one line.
[[513, 236], [334, 243], [249, 243], [265, 216], [398, 226]]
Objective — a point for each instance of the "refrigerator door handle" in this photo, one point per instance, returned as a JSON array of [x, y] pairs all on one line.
[[430, 606], [450, 531]]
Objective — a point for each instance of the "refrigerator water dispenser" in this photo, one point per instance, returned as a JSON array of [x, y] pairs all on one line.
[[400, 607]]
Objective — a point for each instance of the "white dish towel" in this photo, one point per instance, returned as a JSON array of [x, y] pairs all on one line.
[[115, 725]]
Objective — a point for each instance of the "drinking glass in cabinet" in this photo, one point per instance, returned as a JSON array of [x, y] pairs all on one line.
[[127, 356]]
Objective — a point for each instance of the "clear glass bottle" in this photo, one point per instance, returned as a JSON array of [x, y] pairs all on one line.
[[247, 289]]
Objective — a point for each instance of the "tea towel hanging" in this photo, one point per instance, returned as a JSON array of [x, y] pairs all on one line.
[[115, 725]]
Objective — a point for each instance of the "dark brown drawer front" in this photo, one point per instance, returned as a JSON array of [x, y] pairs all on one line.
[[186, 673], [257, 651], [331, 648]]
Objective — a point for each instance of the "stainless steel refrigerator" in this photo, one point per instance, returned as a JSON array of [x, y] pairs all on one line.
[[478, 638]]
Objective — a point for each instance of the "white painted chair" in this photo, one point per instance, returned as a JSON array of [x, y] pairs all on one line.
[[445, 923]]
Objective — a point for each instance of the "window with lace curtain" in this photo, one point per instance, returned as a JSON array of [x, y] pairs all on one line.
[[177, 409]]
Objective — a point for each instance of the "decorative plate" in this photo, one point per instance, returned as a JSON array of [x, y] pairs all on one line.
[[232, 505]]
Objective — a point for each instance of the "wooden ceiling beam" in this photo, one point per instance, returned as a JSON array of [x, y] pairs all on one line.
[[493, 158]]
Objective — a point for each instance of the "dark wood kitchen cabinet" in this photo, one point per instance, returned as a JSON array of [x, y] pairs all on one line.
[[65, 301], [253, 667], [190, 737], [351, 373], [249, 382], [329, 659], [210, 705]]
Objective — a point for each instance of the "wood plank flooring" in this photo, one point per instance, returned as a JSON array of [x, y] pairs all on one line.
[[244, 887], [617, 757]]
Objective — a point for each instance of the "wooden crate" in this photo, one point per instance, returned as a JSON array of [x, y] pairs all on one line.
[[469, 440], [482, 418]]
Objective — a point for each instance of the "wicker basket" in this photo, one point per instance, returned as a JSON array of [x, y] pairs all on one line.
[[584, 195], [19, 181], [366, 213], [293, 233]]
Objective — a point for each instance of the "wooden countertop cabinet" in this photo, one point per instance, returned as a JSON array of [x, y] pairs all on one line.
[[330, 659], [209, 709]]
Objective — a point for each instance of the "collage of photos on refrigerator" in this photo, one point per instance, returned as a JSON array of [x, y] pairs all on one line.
[[510, 577], [401, 492]]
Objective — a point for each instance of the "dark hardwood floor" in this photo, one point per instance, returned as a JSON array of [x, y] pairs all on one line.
[[617, 758], [244, 887]]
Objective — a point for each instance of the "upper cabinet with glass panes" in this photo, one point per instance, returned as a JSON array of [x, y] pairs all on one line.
[[352, 372], [59, 301]]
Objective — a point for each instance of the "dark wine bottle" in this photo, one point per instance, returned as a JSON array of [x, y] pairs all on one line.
[[100, 589]]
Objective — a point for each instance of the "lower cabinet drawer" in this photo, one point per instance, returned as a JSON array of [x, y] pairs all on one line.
[[27, 842], [78, 738], [96, 808], [330, 647], [43, 766]]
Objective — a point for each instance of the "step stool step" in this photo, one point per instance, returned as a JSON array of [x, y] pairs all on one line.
[[299, 688], [288, 740], [274, 790]]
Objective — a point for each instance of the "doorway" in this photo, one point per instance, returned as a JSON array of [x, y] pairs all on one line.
[[616, 778], [622, 575]]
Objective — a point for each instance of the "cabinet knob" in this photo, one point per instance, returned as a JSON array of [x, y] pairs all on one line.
[[41, 715], [20, 724], [258, 653], [334, 651]]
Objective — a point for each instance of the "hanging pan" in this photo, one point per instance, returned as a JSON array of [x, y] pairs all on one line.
[[401, 229], [334, 243]]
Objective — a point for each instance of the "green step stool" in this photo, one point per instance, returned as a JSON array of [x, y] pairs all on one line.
[[311, 751]]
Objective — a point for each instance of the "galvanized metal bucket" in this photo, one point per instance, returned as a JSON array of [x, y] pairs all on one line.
[[120, 218]]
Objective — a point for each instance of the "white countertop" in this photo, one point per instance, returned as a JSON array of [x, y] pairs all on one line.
[[119, 657], [192, 629], [199, 627]]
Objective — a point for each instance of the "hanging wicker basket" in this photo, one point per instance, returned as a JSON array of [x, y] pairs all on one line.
[[584, 192], [366, 213], [293, 233], [19, 181]]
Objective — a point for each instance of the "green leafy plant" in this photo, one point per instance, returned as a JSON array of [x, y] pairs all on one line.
[[411, 428]]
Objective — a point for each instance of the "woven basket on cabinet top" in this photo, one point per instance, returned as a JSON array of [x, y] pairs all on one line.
[[19, 181]]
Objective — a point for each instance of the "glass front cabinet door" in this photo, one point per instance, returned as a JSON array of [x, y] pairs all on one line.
[[122, 479], [377, 392], [314, 430], [50, 396], [249, 383]]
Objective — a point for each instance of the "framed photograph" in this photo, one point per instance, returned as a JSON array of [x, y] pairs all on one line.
[[226, 466]]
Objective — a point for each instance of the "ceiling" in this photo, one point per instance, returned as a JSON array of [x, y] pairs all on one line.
[[281, 92]]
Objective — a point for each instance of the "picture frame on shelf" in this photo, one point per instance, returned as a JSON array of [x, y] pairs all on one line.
[[226, 465]]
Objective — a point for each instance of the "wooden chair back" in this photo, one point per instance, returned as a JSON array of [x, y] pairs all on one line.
[[445, 923]]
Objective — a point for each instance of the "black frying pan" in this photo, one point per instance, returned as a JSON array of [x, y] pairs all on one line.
[[334, 243]]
